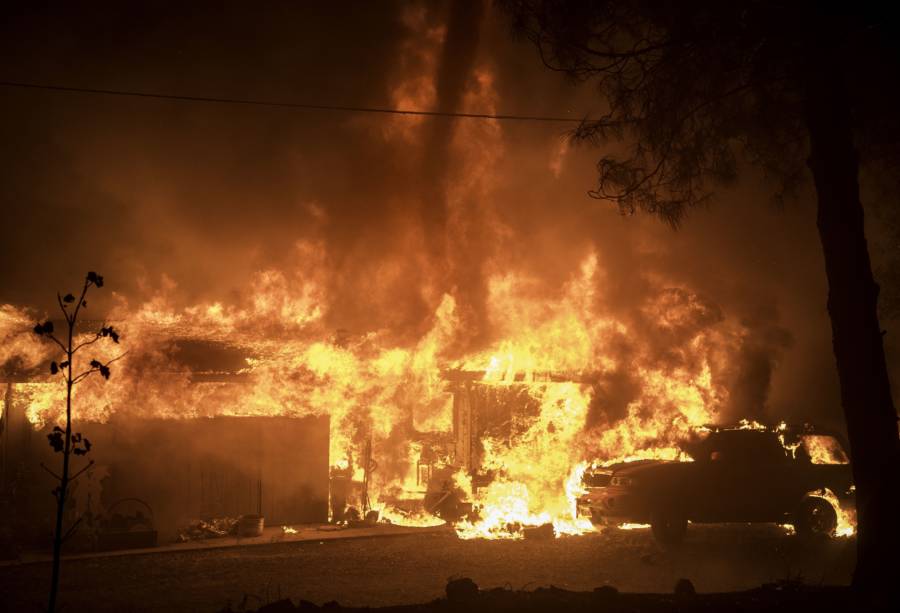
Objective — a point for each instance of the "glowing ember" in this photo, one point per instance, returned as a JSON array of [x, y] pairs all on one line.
[[846, 518]]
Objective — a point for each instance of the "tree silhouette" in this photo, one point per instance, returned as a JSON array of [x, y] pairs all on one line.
[[64, 441], [693, 89]]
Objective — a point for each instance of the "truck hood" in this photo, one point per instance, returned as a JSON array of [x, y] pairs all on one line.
[[649, 467], [630, 468]]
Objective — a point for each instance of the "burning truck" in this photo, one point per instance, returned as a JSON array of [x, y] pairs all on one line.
[[792, 475]]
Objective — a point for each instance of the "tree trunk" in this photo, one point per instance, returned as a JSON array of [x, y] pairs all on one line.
[[856, 334], [64, 481]]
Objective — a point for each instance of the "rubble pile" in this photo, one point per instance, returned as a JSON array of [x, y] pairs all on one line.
[[209, 528]]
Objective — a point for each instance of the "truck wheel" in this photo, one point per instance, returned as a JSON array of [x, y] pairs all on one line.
[[815, 518], [669, 526]]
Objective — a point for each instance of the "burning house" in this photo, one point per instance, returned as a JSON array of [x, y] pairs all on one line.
[[217, 411], [150, 473], [365, 282]]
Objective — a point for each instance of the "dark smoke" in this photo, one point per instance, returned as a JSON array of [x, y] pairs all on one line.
[[207, 195]]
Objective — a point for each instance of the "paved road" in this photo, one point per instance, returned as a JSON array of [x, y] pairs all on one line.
[[414, 568]]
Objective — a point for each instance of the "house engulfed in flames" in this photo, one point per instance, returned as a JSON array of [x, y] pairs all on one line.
[[220, 410], [279, 466], [497, 471], [173, 472]]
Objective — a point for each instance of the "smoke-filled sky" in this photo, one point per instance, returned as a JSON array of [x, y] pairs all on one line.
[[388, 213]]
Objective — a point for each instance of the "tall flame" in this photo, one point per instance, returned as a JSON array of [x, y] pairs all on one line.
[[563, 346]]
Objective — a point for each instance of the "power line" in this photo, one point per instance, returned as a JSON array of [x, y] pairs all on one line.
[[290, 105]]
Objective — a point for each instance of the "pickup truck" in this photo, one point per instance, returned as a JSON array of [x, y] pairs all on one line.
[[786, 475]]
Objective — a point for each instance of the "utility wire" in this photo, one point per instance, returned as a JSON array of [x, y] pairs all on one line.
[[290, 105]]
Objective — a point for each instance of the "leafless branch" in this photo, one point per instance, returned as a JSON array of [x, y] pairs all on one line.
[[97, 369], [62, 307], [78, 474], [84, 290], [53, 474], [58, 342], [84, 375], [96, 338], [72, 528]]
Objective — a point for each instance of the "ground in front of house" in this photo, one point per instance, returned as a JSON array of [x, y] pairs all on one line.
[[414, 568]]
